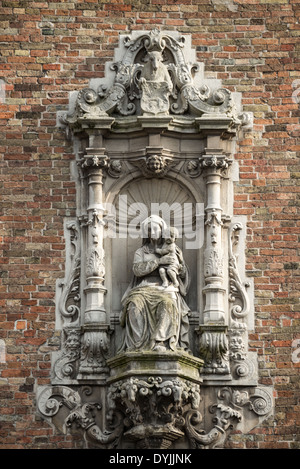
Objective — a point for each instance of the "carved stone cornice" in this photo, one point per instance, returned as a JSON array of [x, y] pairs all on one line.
[[177, 363]]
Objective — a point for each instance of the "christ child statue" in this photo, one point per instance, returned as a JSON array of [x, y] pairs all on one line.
[[170, 249]]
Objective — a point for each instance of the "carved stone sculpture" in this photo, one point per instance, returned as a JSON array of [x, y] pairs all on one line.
[[163, 349], [69, 300], [66, 366], [155, 317], [152, 79], [154, 408], [156, 84], [52, 399]]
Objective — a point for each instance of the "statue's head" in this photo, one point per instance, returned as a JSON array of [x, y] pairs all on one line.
[[171, 235], [73, 339], [153, 228], [155, 163], [154, 58]]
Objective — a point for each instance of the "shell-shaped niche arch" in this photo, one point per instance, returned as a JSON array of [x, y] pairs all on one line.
[[135, 201]]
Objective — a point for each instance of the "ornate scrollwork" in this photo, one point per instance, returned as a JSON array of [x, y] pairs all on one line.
[[237, 287], [52, 399], [226, 413], [86, 107], [66, 365], [154, 401], [152, 78], [215, 438], [69, 301], [260, 402]]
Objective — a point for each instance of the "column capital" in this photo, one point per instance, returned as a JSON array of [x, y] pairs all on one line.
[[94, 159], [215, 160]]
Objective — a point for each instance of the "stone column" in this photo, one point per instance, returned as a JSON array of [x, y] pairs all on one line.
[[213, 340], [95, 341], [213, 163]]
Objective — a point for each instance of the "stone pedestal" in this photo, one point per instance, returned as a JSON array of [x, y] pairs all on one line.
[[154, 391], [168, 364]]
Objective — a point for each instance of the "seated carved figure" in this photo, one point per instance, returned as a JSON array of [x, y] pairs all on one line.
[[155, 318]]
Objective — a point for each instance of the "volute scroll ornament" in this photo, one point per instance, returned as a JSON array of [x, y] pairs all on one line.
[[238, 289], [259, 400], [66, 365], [224, 420], [52, 399], [69, 299]]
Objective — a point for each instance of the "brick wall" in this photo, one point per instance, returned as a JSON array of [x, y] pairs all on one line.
[[49, 49]]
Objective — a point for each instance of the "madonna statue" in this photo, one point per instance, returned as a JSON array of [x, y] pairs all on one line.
[[154, 313]]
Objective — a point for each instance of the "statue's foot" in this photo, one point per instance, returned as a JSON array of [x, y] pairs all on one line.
[[165, 284], [159, 347]]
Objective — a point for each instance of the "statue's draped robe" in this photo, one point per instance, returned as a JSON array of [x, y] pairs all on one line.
[[150, 314]]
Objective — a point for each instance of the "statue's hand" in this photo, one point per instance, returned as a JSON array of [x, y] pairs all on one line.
[[165, 260]]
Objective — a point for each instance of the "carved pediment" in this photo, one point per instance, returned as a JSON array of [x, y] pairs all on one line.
[[154, 75]]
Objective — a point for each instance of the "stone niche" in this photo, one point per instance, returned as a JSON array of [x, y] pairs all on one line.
[[155, 307]]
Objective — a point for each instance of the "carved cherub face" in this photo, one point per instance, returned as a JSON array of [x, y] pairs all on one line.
[[155, 163], [172, 236], [116, 166]]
